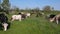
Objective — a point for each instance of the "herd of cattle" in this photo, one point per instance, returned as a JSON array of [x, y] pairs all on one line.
[[4, 24]]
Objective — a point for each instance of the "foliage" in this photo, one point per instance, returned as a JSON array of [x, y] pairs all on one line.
[[6, 6], [47, 8]]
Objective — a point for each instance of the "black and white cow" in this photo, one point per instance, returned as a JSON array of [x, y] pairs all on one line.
[[56, 18], [4, 21]]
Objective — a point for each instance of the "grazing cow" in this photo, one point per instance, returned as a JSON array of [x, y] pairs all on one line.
[[56, 18], [16, 17], [4, 21], [5, 25]]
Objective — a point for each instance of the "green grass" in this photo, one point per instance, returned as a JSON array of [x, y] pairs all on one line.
[[33, 25]]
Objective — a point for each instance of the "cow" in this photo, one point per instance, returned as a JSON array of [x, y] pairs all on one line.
[[56, 18], [4, 21], [16, 17], [5, 25]]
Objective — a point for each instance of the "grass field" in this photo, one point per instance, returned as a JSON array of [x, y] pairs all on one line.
[[33, 25]]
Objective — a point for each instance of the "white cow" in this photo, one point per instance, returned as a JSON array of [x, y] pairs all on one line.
[[16, 17], [5, 25]]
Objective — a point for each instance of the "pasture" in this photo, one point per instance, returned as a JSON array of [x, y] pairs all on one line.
[[33, 25]]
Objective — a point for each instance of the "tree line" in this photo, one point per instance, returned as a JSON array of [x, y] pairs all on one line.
[[5, 6]]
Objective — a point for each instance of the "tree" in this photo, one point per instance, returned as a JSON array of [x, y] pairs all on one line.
[[37, 9], [52, 8], [16, 9], [27, 9], [47, 8], [6, 6]]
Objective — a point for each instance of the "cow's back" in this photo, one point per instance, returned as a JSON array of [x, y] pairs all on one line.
[[16, 16]]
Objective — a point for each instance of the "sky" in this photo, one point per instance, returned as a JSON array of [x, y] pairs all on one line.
[[22, 4]]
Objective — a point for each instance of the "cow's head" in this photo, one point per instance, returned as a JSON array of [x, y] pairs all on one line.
[[51, 19]]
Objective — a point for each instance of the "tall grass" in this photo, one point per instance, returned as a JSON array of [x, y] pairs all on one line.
[[33, 25]]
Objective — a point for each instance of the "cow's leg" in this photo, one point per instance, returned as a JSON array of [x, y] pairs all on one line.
[[5, 28], [20, 19], [26, 16], [57, 20]]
